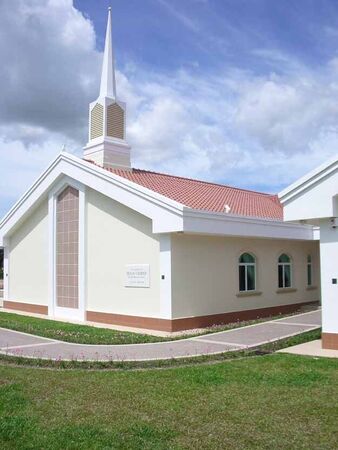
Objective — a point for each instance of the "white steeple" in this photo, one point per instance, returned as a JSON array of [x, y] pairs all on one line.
[[108, 83], [107, 117]]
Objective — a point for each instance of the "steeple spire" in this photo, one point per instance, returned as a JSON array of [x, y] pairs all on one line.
[[108, 83], [107, 145]]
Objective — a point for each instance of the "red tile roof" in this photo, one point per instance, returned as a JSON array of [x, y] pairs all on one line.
[[207, 196]]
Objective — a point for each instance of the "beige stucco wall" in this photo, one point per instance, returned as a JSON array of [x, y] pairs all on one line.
[[204, 268], [117, 236], [205, 274], [28, 259]]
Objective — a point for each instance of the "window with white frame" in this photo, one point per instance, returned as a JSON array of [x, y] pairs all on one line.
[[284, 271], [309, 270], [247, 272]]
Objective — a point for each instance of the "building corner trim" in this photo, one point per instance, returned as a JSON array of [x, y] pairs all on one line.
[[165, 277]]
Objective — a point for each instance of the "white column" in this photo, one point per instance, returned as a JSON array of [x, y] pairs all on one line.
[[105, 102], [165, 273], [329, 277], [6, 269], [82, 252], [51, 254]]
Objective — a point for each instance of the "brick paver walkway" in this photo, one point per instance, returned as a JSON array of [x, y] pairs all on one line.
[[26, 345]]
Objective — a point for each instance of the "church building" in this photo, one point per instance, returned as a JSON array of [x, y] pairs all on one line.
[[95, 239]]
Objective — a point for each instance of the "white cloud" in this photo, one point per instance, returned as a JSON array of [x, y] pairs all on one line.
[[20, 167], [234, 126], [51, 66], [242, 129], [49, 73]]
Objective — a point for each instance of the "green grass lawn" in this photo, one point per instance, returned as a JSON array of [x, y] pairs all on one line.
[[269, 402], [81, 334], [85, 334]]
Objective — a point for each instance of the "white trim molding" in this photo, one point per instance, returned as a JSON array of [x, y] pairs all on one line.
[[309, 179], [222, 224], [51, 255], [6, 244], [165, 213], [314, 197], [165, 273]]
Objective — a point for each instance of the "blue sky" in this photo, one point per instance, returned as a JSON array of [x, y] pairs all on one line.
[[169, 34], [243, 92]]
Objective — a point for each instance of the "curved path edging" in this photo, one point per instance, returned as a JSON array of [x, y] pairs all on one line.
[[15, 343]]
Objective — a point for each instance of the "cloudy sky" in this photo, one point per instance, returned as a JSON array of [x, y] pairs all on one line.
[[243, 92]]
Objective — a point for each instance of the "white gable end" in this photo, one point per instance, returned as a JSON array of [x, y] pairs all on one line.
[[165, 213], [314, 196]]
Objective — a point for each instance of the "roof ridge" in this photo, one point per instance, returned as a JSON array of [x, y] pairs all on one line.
[[201, 181]]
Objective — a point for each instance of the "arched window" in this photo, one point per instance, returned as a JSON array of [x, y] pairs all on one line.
[[247, 272], [309, 270], [284, 271]]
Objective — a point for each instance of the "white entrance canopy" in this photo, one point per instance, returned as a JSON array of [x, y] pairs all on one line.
[[313, 199], [314, 196]]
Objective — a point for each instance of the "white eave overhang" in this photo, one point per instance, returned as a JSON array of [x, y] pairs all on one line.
[[313, 198], [167, 215], [222, 224], [307, 181]]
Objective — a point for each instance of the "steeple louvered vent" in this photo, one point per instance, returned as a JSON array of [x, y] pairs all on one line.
[[115, 121], [96, 121]]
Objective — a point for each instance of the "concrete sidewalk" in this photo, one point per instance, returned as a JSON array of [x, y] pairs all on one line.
[[21, 344], [312, 348]]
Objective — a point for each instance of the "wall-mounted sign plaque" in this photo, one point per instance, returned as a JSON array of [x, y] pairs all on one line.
[[137, 275]]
